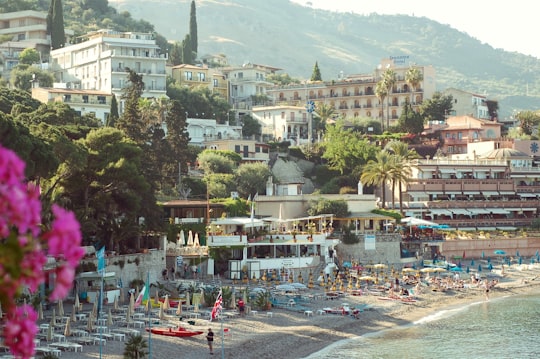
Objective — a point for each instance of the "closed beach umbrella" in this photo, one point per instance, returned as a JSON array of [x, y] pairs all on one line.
[[161, 314], [520, 261], [482, 254], [472, 262], [53, 317], [77, 302], [40, 311], [179, 308], [109, 319], [67, 329], [196, 240], [128, 314], [468, 269], [190, 238], [115, 303], [131, 303], [50, 333], [90, 323], [188, 303], [73, 317], [517, 253], [479, 267], [61, 308], [156, 298], [166, 304], [181, 239], [233, 300], [490, 266]]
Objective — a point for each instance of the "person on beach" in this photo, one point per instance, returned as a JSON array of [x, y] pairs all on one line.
[[487, 286], [241, 307], [210, 339]]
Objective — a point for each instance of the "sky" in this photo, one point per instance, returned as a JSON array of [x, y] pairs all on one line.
[[507, 25]]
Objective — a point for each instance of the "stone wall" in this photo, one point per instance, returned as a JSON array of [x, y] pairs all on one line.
[[387, 250]]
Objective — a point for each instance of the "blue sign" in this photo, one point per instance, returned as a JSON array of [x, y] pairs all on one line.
[[310, 106]]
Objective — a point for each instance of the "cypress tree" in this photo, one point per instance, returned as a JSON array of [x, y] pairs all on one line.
[[113, 115], [187, 54], [58, 35], [316, 75], [193, 29], [131, 121]]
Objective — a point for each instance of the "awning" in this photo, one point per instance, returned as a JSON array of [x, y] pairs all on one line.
[[439, 212], [507, 228], [460, 211], [498, 210], [447, 170], [487, 228], [452, 192], [468, 229], [471, 192], [479, 211], [490, 193], [528, 194], [507, 192]]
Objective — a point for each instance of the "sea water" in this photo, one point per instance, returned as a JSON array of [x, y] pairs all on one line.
[[507, 327]]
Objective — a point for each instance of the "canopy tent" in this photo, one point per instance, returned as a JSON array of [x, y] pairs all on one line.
[[412, 221]]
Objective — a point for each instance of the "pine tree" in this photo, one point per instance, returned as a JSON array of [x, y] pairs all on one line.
[[55, 25], [193, 29], [131, 121], [316, 75], [113, 115], [187, 52]]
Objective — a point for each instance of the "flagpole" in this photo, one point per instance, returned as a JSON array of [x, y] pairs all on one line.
[[149, 317], [101, 268]]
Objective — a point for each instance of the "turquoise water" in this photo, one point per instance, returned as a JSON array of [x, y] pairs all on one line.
[[500, 328]]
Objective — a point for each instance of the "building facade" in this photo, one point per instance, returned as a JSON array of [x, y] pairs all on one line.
[[101, 63], [282, 123], [468, 104], [354, 95], [196, 76], [83, 102]]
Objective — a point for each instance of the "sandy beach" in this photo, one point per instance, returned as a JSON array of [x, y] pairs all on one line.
[[290, 334]]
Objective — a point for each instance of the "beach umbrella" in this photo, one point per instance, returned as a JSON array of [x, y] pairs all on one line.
[[517, 253], [456, 269], [233, 300], [161, 314], [156, 298], [95, 308], [73, 317], [115, 303], [128, 314], [61, 308], [40, 311], [196, 240], [179, 308], [499, 252], [472, 262], [532, 260], [53, 317], [482, 254], [77, 303], [131, 303], [479, 267], [490, 266], [181, 239], [50, 333], [190, 238], [468, 269], [166, 304], [520, 261], [537, 253], [90, 323], [109, 319], [188, 303], [121, 297], [67, 328]]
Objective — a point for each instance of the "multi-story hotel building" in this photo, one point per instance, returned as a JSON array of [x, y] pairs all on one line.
[[194, 76], [354, 95], [101, 63]]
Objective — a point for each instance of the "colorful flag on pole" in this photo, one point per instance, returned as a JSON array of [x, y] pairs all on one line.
[[218, 306], [140, 297]]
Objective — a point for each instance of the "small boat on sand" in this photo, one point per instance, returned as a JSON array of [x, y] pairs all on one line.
[[174, 332]]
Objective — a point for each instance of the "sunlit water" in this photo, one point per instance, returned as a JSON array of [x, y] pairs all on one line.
[[501, 328]]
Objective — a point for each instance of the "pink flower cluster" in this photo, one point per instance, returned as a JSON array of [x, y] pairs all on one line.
[[24, 249]]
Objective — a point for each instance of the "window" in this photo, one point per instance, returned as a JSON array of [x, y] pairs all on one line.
[[85, 98], [216, 83], [101, 100], [188, 75], [237, 148], [67, 98], [21, 37], [201, 76], [292, 116]]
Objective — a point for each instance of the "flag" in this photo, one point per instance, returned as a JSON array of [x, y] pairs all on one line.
[[218, 306], [140, 297], [101, 259]]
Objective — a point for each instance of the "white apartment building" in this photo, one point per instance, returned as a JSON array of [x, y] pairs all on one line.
[[283, 123], [246, 81], [468, 104], [101, 63]]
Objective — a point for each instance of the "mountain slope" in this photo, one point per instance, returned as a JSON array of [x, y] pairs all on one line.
[[286, 35]]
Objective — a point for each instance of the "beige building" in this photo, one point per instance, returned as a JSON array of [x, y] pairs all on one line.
[[459, 131], [354, 95], [196, 76], [84, 102], [468, 104]]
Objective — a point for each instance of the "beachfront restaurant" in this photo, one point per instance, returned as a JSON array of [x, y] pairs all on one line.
[[259, 245]]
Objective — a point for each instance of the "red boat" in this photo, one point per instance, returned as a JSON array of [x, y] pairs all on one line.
[[174, 332]]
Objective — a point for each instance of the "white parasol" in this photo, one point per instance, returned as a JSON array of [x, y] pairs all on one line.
[[73, 317], [166, 304], [95, 308], [61, 308], [161, 314], [131, 303], [188, 303], [40, 311], [115, 303], [233, 300], [179, 308], [190, 238], [196, 241], [67, 329], [90, 324], [128, 314], [109, 319], [53, 317], [181, 239], [77, 303], [50, 333]]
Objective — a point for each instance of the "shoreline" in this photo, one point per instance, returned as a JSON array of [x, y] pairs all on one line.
[[288, 334]]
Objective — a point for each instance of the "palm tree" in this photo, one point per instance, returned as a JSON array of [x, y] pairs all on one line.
[[136, 347], [413, 77], [404, 160], [381, 92], [377, 172], [324, 115], [389, 79]]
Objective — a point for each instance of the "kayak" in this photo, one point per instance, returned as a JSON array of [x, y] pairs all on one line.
[[174, 332]]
